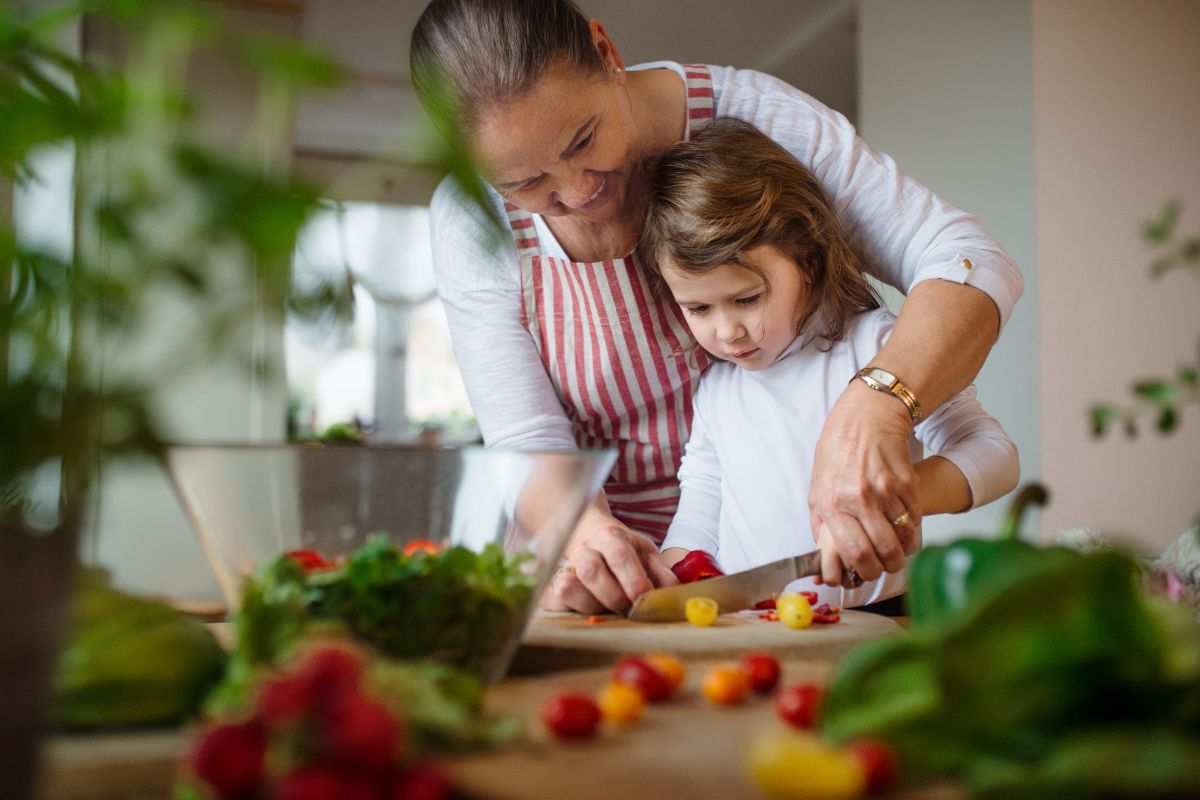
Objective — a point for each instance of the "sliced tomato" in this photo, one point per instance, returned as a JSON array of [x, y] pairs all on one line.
[[826, 614]]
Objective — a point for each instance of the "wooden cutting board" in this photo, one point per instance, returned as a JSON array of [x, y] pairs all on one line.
[[556, 641], [685, 747]]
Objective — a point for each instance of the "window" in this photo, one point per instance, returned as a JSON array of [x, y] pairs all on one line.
[[390, 371]]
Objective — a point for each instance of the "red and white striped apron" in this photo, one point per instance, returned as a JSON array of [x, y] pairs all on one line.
[[620, 355]]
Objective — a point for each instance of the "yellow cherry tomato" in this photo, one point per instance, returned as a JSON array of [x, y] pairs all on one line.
[[670, 667], [701, 611], [621, 703], [726, 684], [798, 766], [794, 610]]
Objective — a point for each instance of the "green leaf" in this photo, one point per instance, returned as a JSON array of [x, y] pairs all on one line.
[[1168, 420], [1100, 416], [1158, 231], [1188, 376], [1156, 391], [1190, 251]]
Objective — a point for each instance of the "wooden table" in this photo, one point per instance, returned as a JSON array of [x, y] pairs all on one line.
[[685, 748]]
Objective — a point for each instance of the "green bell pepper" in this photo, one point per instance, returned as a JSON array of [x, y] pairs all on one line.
[[943, 580]]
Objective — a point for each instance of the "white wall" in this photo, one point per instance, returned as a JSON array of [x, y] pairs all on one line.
[[946, 90], [1117, 120]]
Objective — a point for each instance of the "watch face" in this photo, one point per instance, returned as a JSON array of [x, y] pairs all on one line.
[[883, 376]]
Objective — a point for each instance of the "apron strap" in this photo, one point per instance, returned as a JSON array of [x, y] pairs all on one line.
[[522, 227], [701, 108]]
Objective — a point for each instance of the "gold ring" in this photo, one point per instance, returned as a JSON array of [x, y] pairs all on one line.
[[903, 519]]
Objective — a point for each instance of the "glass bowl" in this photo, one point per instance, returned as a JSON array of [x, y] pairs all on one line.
[[249, 504]]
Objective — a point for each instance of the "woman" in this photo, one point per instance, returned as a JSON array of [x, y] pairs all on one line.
[[562, 343]]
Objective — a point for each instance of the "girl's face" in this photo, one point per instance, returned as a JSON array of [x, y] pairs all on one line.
[[746, 316], [567, 147]]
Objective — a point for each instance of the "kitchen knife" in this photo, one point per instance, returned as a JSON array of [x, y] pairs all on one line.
[[732, 592]]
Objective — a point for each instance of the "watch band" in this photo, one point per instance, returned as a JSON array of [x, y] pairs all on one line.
[[883, 381]]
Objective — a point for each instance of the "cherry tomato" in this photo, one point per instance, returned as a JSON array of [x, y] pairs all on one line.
[[701, 611], [802, 766], [636, 672], [794, 610], [765, 605], [670, 667], [879, 764], [621, 704], [571, 715], [697, 565], [800, 705], [726, 685], [422, 546], [763, 671], [310, 560]]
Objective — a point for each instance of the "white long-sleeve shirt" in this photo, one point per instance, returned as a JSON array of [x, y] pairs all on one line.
[[748, 465], [905, 233]]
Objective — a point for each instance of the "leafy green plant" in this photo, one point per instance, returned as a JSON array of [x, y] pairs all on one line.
[[1162, 397], [162, 216]]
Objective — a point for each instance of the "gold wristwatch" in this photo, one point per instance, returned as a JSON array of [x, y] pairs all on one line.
[[883, 381]]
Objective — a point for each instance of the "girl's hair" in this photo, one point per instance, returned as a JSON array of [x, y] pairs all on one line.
[[489, 51], [732, 188]]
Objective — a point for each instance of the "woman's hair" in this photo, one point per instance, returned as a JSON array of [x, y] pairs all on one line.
[[732, 188], [489, 51]]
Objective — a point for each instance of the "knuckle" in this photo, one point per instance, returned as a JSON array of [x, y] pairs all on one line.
[[588, 569]]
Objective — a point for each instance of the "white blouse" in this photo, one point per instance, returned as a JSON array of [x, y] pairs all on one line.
[[903, 230], [748, 465]]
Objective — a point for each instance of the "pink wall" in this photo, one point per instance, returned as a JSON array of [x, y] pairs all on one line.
[[1116, 133]]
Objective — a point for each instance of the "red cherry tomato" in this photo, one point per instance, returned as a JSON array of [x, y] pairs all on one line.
[[638, 673], [571, 715], [310, 560], [422, 546], [765, 605], [800, 705], [697, 565], [763, 671], [811, 597], [879, 764]]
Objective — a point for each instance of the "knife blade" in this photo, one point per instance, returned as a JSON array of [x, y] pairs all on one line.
[[732, 592]]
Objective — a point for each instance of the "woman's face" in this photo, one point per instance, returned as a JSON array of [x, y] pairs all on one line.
[[747, 316], [567, 147]]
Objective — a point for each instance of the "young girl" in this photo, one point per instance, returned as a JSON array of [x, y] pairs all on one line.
[[744, 239]]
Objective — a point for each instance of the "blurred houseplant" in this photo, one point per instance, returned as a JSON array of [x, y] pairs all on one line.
[[166, 218], [1161, 397]]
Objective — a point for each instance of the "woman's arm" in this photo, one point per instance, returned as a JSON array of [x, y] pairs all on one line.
[[516, 404], [479, 284]]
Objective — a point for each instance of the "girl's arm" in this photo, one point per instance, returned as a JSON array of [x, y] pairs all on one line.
[[973, 462], [942, 487], [696, 522]]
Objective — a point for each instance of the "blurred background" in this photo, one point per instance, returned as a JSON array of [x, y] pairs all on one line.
[[1065, 125]]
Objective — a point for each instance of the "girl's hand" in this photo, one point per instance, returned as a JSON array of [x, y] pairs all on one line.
[[608, 566], [863, 479]]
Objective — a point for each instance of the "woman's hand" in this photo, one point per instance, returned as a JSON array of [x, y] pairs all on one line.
[[863, 480], [607, 567]]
